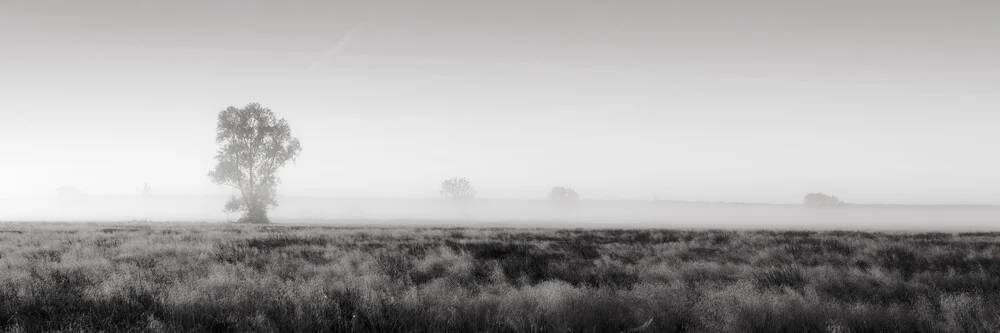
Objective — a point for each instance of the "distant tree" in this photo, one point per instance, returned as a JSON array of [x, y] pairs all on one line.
[[253, 144], [563, 195], [458, 188], [820, 199], [146, 192], [557, 193]]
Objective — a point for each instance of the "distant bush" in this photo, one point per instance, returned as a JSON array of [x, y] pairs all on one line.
[[820, 199], [458, 189], [563, 195]]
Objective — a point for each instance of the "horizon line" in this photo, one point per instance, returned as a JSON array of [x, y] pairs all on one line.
[[427, 198]]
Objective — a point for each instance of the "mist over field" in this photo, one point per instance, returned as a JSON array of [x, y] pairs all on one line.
[[524, 213], [885, 102]]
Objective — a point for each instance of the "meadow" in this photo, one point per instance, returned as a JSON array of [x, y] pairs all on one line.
[[312, 278]]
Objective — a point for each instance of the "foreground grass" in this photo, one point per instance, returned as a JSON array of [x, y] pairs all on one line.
[[231, 278]]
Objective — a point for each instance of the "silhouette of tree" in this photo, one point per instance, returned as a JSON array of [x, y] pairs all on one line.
[[557, 193], [253, 144], [146, 191], [458, 189], [820, 199], [563, 195]]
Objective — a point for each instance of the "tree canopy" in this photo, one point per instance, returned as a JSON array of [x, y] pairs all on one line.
[[458, 188], [253, 145]]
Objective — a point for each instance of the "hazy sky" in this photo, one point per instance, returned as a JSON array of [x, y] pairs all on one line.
[[873, 101]]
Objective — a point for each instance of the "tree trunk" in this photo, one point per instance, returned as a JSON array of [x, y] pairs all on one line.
[[256, 213]]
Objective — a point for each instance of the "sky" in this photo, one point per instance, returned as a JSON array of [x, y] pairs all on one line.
[[752, 101]]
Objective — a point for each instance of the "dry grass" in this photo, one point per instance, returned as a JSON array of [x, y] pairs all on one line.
[[233, 278]]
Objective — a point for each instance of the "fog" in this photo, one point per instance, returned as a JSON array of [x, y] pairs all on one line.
[[878, 102], [516, 213]]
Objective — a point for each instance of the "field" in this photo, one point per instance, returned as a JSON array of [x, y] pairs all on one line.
[[237, 278]]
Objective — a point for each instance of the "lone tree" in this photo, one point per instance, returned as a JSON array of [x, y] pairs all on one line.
[[563, 195], [253, 144], [820, 199], [458, 188]]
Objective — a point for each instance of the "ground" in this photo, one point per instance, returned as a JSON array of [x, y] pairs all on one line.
[[310, 278]]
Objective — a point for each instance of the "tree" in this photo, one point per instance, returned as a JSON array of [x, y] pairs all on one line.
[[458, 188], [563, 195], [253, 144], [820, 199]]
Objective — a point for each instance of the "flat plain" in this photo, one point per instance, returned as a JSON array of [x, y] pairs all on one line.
[[161, 277]]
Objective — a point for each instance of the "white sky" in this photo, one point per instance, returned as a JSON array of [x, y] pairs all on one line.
[[874, 101]]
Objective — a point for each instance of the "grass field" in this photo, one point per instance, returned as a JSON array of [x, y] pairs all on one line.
[[234, 278]]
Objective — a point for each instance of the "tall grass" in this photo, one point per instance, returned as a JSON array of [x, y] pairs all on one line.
[[235, 278]]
